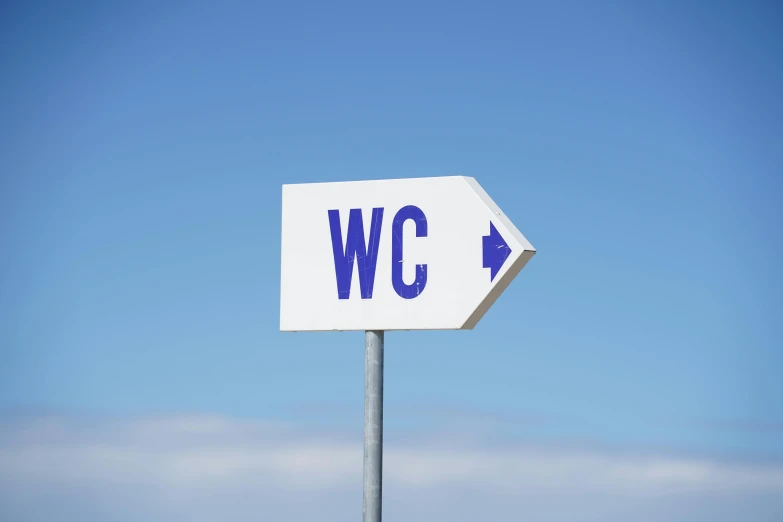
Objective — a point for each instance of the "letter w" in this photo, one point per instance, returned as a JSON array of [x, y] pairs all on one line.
[[355, 249]]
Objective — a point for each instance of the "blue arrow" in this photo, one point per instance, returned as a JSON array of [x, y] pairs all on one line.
[[496, 251]]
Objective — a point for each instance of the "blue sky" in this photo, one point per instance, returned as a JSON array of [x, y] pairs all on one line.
[[638, 148]]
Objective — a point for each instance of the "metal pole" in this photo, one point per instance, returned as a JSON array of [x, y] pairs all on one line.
[[373, 425]]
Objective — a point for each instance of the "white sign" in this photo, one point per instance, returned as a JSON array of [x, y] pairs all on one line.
[[402, 254]]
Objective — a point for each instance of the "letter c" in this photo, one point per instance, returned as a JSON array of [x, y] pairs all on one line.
[[417, 287]]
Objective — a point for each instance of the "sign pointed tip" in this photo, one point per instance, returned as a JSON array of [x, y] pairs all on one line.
[[495, 251]]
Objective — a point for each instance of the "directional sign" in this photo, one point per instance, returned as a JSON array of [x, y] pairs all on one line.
[[402, 254]]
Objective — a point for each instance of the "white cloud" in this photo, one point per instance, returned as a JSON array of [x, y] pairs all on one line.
[[208, 468]]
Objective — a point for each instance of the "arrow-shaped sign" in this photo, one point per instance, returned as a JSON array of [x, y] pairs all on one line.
[[404, 254]]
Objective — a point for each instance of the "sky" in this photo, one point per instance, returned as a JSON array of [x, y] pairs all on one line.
[[631, 370]]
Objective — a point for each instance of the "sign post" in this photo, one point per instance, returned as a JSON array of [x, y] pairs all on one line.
[[373, 426], [399, 254]]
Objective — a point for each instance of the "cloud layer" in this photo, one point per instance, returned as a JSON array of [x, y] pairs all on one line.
[[200, 468]]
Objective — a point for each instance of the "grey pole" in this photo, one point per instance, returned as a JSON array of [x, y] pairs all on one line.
[[373, 425]]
